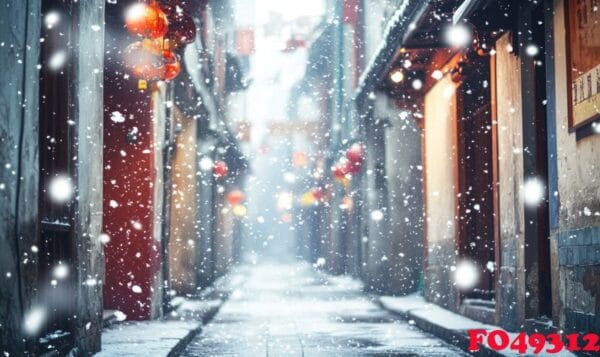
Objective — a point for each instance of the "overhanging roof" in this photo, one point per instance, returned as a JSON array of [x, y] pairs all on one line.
[[399, 29]]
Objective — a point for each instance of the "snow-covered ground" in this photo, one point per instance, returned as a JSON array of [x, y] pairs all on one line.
[[293, 310]]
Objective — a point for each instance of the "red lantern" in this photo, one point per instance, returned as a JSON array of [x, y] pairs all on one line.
[[318, 193], [146, 21], [338, 171], [352, 167], [172, 66], [220, 169], [356, 153], [235, 197]]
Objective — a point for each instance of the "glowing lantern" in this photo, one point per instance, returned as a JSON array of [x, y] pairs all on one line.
[[299, 159], [235, 197], [286, 218], [285, 201], [356, 153], [347, 203], [220, 169], [338, 172], [318, 193], [307, 199], [146, 21], [353, 167], [239, 211], [172, 66]]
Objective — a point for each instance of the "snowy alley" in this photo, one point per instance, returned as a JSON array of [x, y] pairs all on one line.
[[299, 178], [292, 310]]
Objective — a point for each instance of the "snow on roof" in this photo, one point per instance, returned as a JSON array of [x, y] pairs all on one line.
[[393, 37]]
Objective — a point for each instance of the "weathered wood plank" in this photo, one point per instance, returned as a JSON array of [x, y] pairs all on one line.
[[19, 54], [88, 98]]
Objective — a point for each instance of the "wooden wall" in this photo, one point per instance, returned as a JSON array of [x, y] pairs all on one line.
[[184, 236], [440, 185], [404, 174], [19, 52], [510, 180], [88, 104], [19, 177]]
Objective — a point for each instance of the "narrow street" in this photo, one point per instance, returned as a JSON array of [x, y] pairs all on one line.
[[294, 310]]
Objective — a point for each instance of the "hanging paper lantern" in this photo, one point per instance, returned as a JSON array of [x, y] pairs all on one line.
[[146, 21], [318, 193], [352, 167], [171, 67], [235, 197], [220, 169], [356, 153], [307, 199], [338, 172]]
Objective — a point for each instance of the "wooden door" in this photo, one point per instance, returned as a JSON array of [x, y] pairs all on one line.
[[56, 247], [475, 173]]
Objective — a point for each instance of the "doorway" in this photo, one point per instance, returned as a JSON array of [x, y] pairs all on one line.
[[535, 163], [56, 173], [475, 164]]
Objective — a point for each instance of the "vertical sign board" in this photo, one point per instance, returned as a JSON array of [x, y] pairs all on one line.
[[583, 61]]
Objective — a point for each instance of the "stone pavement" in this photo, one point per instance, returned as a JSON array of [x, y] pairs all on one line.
[[293, 310]]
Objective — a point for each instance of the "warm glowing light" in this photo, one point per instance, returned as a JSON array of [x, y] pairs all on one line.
[[458, 36], [300, 159], [307, 199], [347, 203], [60, 189], [289, 177], [239, 211], [466, 275], [285, 201]]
